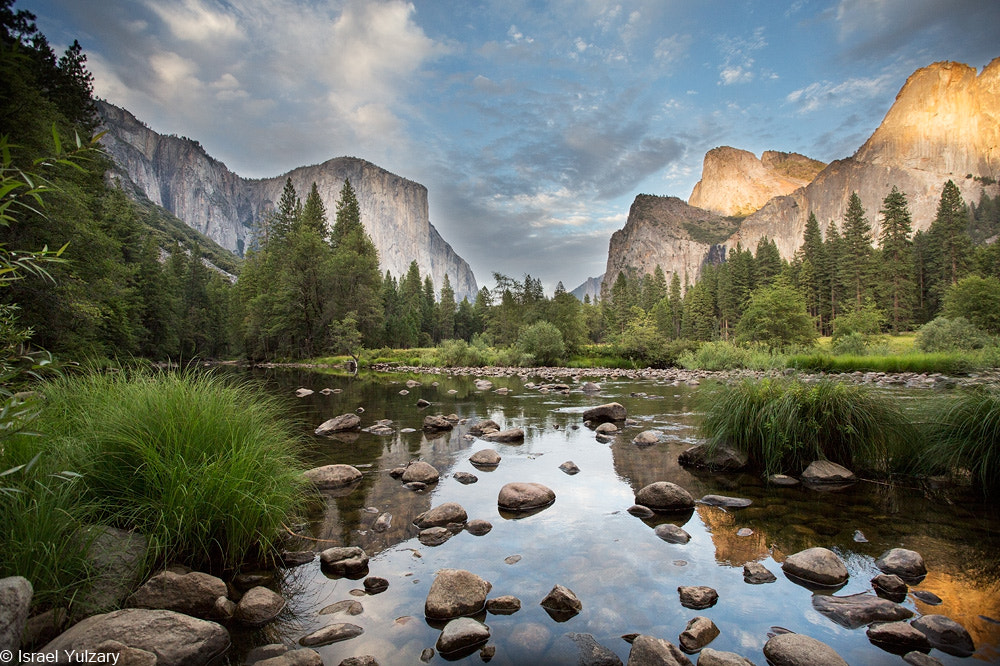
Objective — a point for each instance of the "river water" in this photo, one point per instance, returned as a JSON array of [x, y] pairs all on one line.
[[625, 576]]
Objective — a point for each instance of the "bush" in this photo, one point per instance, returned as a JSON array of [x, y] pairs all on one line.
[[206, 469], [977, 300], [950, 334], [720, 355], [776, 317], [784, 424], [542, 342], [965, 435], [852, 344]]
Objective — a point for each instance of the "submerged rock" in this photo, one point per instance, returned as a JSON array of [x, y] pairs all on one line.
[[329, 477], [857, 610], [511, 435], [593, 653], [672, 533], [717, 458], [727, 502], [334, 633], [946, 635]]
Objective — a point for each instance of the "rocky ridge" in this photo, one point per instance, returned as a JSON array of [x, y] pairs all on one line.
[[179, 175], [944, 125]]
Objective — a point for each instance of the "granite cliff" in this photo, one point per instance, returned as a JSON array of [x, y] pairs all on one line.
[[177, 174], [944, 125], [735, 182]]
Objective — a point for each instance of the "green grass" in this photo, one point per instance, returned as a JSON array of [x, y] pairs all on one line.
[[965, 437], [944, 362], [784, 424], [207, 469]]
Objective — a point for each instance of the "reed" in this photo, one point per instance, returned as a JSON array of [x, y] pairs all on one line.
[[965, 437], [208, 470], [784, 424]]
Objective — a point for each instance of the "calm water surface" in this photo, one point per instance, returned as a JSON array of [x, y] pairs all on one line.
[[626, 577]]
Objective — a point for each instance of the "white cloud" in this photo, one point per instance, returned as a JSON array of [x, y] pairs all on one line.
[[827, 94], [191, 20], [671, 50], [737, 57]]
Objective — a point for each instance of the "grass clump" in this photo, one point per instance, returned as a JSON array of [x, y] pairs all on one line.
[[965, 437], [784, 424], [206, 469]]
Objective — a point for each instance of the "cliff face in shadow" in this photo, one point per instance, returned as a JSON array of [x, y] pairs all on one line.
[[177, 174]]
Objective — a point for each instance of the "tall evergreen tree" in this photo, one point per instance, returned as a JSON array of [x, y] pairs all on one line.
[[950, 237], [767, 262], [856, 264], [896, 265], [314, 213], [286, 216], [833, 252], [357, 282]]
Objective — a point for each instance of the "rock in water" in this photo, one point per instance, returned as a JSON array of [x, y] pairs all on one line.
[[819, 566], [710, 657], [857, 610], [342, 423], [454, 593], [593, 653], [420, 472], [176, 639], [334, 633], [727, 502], [756, 573], [700, 631], [672, 533], [347, 561], [461, 633], [485, 458], [697, 597], [907, 564], [800, 650], [258, 606], [665, 497], [946, 635], [333, 476], [193, 593], [442, 515], [15, 602], [561, 600], [821, 472], [522, 497], [611, 411], [718, 458], [647, 650]]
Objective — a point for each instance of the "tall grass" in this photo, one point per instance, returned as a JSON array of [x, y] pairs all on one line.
[[206, 469], [784, 424], [965, 436], [945, 362], [725, 355]]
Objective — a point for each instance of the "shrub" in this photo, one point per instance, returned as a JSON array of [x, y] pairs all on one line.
[[206, 469], [945, 334], [542, 342], [965, 435], [776, 317], [853, 344], [720, 355], [977, 300], [784, 424]]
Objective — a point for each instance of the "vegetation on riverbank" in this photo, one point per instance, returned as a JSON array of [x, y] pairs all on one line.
[[206, 469]]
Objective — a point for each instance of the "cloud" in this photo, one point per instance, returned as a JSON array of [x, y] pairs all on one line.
[[669, 51], [823, 94], [191, 20], [737, 57]]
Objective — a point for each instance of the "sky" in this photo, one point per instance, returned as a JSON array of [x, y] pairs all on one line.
[[533, 124]]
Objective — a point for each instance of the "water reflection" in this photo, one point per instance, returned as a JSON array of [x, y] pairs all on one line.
[[625, 575]]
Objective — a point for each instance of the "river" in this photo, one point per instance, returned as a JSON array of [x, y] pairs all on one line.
[[625, 576]]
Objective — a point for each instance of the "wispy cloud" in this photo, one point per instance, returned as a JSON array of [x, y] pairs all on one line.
[[828, 94], [737, 57]]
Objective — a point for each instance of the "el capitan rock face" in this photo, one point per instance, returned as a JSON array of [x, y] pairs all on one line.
[[177, 174], [944, 125], [735, 182]]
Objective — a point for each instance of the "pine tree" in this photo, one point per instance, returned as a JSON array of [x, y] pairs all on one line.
[[811, 261], [856, 264], [286, 216], [767, 262], [314, 213], [357, 282], [676, 301], [950, 238], [446, 311], [410, 293], [833, 251], [896, 265]]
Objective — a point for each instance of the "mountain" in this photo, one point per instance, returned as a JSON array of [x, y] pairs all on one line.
[[591, 287], [735, 182], [179, 175], [944, 125]]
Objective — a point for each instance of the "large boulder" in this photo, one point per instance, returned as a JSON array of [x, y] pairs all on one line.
[[857, 610], [818, 566], [175, 638], [333, 476], [612, 411], [650, 651], [15, 602], [456, 593], [461, 633], [665, 497], [442, 515], [800, 650], [350, 561], [946, 635], [717, 458], [898, 637], [820, 472], [342, 423], [521, 497], [907, 564], [421, 472], [193, 593]]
